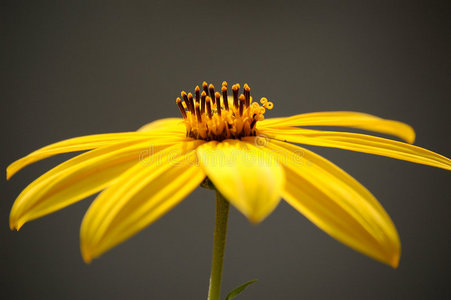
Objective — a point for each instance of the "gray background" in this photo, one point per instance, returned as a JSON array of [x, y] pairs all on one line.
[[83, 67]]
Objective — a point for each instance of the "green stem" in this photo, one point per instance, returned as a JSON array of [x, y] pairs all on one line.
[[222, 213]]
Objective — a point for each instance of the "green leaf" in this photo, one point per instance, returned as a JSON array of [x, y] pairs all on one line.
[[239, 289]]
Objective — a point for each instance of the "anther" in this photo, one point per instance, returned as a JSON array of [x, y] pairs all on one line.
[[185, 98], [191, 102], [182, 110], [235, 89], [205, 87], [218, 102], [202, 103], [224, 96], [212, 92], [199, 116], [197, 92], [247, 94], [208, 100], [242, 100], [224, 83]]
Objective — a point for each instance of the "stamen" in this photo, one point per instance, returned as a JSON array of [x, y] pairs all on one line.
[[235, 89], [242, 101], [191, 101], [188, 103], [224, 96], [208, 100], [182, 110], [198, 115], [205, 87], [197, 92], [247, 94], [253, 123], [218, 102], [202, 104], [212, 93]]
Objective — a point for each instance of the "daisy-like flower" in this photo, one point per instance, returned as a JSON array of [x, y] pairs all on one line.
[[253, 162]]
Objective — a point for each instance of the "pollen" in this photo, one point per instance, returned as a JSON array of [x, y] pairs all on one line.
[[211, 115]]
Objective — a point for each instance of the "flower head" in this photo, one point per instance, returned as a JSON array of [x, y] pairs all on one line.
[[252, 161]]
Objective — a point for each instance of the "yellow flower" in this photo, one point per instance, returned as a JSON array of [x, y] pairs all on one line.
[[250, 161]]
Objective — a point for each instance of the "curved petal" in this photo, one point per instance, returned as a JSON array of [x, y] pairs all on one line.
[[139, 197], [165, 125], [361, 143], [78, 178], [245, 175], [336, 203], [84, 143], [345, 119]]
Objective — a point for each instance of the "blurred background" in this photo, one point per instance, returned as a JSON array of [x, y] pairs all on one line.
[[71, 68]]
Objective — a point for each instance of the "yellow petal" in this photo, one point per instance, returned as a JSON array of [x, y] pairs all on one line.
[[245, 175], [84, 143], [76, 179], [345, 119], [337, 203], [165, 125], [139, 197], [361, 143]]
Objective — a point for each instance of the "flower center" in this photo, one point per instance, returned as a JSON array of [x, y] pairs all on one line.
[[212, 115]]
